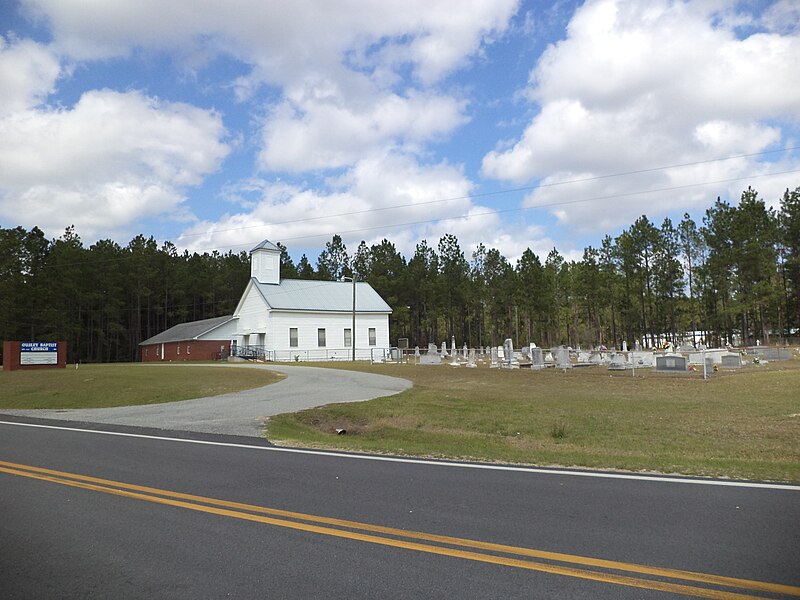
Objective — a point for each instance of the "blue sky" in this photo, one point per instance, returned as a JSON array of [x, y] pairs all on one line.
[[518, 125]]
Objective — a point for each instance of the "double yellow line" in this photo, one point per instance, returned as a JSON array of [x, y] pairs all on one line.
[[654, 578]]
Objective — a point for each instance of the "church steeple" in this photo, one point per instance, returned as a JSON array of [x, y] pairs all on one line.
[[265, 263]]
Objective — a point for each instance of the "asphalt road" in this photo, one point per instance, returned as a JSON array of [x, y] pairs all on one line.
[[63, 535], [240, 413]]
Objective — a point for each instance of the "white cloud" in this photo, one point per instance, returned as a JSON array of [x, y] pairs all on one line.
[[641, 85], [28, 73], [382, 196], [111, 159], [390, 196], [283, 39], [782, 16], [588, 205], [319, 127], [341, 67], [98, 207]]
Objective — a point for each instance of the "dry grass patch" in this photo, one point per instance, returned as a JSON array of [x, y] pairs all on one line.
[[737, 424]]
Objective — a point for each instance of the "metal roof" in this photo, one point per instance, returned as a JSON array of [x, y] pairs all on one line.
[[326, 296], [266, 245], [187, 331]]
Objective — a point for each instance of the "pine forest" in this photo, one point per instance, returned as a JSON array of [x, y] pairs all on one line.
[[733, 277]]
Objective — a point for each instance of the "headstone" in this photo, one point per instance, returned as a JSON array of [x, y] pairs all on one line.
[[471, 359], [444, 349], [537, 358], [455, 362], [731, 361], [416, 351], [624, 345], [768, 353], [495, 363], [671, 363], [453, 345], [432, 357], [715, 354], [618, 362], [549, 357], [509, 360], [640, 359], [562, 359], [584, 357]]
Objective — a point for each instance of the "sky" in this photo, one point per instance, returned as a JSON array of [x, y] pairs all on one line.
[[217, 124]]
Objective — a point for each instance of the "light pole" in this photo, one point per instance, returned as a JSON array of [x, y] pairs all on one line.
[[353, 331]]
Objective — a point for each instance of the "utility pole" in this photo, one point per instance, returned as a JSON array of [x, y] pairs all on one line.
[[353, 332]]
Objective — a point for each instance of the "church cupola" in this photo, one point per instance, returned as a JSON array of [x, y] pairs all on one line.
[[265, 263]]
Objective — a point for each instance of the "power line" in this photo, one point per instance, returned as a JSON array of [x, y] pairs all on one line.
[[527, 188], [512, 210], [469, 216]]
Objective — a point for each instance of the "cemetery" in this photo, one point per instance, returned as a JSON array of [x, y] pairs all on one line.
[[687, 360], [680, 410], [617, 414]]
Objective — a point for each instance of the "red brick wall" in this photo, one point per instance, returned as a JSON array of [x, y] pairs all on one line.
[[11, 357], [185, 350]]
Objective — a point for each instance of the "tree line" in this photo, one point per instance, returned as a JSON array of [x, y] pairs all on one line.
[[732, 278]]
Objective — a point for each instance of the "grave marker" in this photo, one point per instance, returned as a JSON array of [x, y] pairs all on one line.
[[618, 362], [537, 358], [562, 358], [672, 363], [494, 364], [432, 357], [731, 361], [509, 360]]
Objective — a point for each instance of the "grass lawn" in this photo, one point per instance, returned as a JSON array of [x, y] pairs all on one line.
[[98, 386], [740, 424]]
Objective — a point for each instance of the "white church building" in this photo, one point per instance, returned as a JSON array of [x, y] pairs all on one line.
[[291, 319]]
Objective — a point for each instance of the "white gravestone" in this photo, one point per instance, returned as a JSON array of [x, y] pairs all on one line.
[[509, 361], [537, 358], [432, 357], [494, 364], [562, 359]]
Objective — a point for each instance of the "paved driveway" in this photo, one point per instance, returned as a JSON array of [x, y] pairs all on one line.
[[240, 413]]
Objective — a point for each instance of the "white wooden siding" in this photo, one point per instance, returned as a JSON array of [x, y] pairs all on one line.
[[226, 331], [255, 318], [253, 314], [265, 266], [307, 325]]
